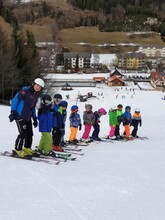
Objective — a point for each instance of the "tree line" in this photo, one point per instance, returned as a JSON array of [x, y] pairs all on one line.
[[127, 15], [19, 60]]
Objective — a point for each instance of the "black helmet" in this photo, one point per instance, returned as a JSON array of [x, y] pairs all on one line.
[[46, 99], [57, 96], [120, 106]]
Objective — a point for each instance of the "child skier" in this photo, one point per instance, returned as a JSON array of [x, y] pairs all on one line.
[[112, 122], [46, 123], [57, 112], [89, 119], [127, 120], [96, 125], [75, 123], [119, 114], [136, 120], [64, 105]]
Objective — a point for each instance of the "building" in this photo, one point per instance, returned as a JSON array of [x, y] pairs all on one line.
[[158, 79], [115, 81], [153, 51], [117, 73], [77, 61], [131, 61]]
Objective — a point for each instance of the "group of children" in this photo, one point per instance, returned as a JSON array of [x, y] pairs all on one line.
[[116, 117], [52, 123], [52, 116]]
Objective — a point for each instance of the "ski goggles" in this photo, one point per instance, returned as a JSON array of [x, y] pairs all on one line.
[[57, 100]]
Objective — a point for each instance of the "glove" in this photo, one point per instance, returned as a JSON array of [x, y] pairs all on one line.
[[13, 116], [80, 126], [35, 122]]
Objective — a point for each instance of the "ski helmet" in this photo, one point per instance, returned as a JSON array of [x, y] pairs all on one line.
[[46, 99], [137, 110], [114, 108], [88, 107], [57, 96], [120, 106], [39, 82], [102, 111], [127, 107], [74, 107], [64, 104]]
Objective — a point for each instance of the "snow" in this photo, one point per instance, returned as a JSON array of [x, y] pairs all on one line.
[[112, 181]]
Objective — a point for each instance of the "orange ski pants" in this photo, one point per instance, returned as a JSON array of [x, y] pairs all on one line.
[[127, 130], [73, 133]]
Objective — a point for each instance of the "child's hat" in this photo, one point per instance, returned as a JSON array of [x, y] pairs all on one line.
[[120, 106], [127, 107], [137, 110], [64, 103], [88, 106], [74, 107], [114, 108], [46, 99], [57, 96], [102, 110]]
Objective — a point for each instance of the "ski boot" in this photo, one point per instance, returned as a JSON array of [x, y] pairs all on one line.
[[31, 152]]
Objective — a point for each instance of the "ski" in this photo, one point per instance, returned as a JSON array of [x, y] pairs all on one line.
[[63, 153], [76, 153], [65, 158], [30, 158], [48, 157], [141, 138], [71, 149], [107, 140], [121, 140]]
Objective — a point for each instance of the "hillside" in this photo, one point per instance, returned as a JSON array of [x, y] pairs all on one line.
[[56, 21]]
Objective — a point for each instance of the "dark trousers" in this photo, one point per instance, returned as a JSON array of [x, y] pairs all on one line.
[[96, 131], [57, 137], [117, 130], [25, 134], [134, 131]]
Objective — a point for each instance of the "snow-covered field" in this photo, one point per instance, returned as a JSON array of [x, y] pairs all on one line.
[[112, 181]]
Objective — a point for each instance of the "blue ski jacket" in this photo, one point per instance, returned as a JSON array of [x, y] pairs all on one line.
[[75, 120], [24, 103], [127, 118], [46, 120]]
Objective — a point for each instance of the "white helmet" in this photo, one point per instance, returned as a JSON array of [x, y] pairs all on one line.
[[40, 82], [137, 110], [114, 108]]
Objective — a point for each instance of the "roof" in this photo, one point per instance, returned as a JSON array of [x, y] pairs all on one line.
[[113, 78], [116, 72], [70, 55], [130, 55], [158, 76], [98, 78], [74, 55]]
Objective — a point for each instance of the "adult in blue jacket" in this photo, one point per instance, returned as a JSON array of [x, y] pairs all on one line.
[[22, 111]]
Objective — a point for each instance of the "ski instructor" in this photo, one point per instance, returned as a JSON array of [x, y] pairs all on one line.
[[23, 111]]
